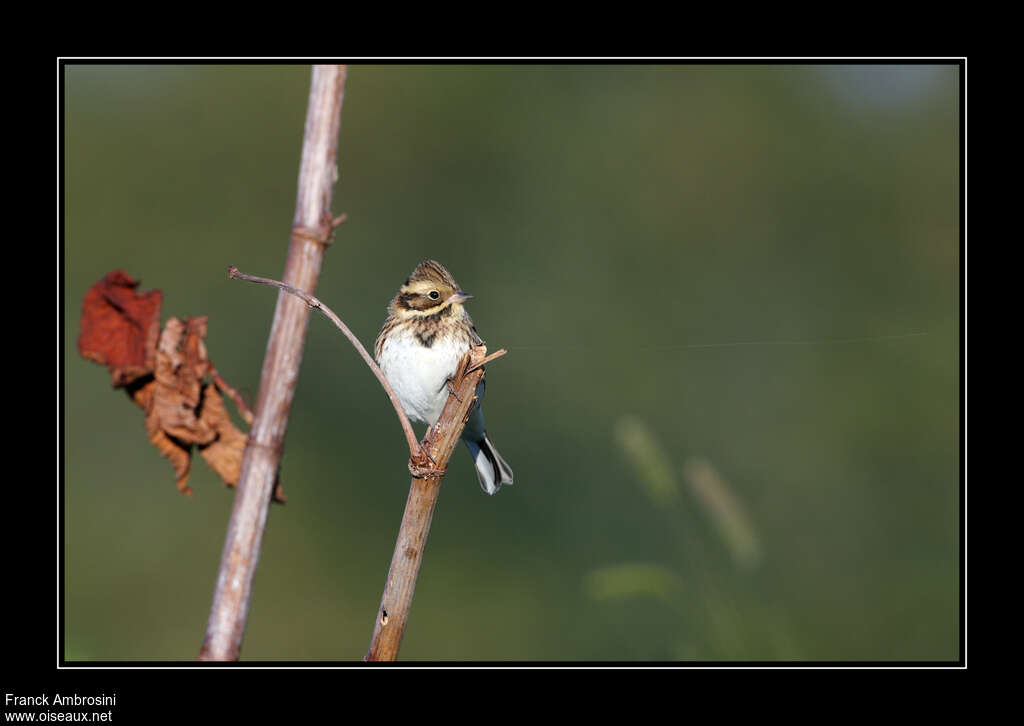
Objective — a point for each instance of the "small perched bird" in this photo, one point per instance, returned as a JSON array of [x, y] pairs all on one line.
[[424, 337]]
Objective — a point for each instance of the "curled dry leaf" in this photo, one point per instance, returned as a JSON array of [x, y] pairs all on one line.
[[181, 366], [185, 412], [172, 399], [120, 327], [178, 452], [165, 376], [224, 453]]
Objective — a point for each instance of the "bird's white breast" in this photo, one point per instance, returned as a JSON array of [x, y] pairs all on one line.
[[418, 373]]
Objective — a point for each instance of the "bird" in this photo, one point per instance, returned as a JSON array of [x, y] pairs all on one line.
[[426, 333]]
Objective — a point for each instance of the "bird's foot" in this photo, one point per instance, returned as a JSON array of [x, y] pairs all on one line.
[[451, 389]]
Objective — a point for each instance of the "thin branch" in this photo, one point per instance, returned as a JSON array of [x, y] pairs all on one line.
[[440, 442], [223, 385], [312, 226], [488, 359], [415, 451]]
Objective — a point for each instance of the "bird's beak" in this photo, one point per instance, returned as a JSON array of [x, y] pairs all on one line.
[[459, 297]]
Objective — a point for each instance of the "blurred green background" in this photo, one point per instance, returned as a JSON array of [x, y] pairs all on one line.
[[730, 296]]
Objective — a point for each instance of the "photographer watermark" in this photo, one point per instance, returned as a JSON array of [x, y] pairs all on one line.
[[59, 707]]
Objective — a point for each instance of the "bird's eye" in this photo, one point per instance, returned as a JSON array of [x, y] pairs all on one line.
[[434, 294]]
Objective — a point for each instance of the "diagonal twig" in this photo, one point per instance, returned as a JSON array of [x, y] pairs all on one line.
[[243, 409], [485, 361], [416, 452]]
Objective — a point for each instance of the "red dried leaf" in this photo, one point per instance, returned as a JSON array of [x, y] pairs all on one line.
[[120, 327]]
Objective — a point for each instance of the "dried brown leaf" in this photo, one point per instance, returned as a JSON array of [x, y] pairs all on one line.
[[224, 454], [120, 327], [164, 374], [141, 392], [179, 453], [181, 366]]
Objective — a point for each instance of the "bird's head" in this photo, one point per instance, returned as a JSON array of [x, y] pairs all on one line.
[[429, 290]]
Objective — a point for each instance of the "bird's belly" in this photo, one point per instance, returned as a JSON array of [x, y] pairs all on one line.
[[418, 374]]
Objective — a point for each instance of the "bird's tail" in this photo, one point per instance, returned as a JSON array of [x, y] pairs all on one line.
[[491, 469]]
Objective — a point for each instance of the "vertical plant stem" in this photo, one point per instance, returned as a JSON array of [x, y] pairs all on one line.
[[311, 231], [440, 442]]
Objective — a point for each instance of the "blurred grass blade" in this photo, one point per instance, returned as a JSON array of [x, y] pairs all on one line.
[[632, 580], [726, 511], [648, 457]]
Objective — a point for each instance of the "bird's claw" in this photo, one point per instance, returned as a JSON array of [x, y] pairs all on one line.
[[451, 389]]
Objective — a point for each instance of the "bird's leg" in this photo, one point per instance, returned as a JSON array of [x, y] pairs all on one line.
[[451, 388]]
